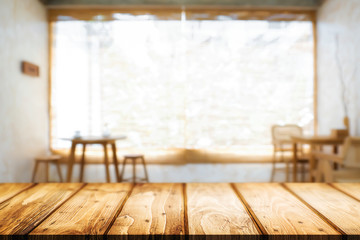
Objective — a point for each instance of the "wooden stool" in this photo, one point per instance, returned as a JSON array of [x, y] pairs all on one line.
[[46, 160], [133, 158]]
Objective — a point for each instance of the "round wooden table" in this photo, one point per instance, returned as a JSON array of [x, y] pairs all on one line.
[[313, 141], [104, 141]]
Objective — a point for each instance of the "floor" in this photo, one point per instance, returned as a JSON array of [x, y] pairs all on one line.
[[239, 172]]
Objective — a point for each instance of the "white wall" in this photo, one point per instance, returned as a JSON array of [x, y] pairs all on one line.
[[23, 99], [342, 18]]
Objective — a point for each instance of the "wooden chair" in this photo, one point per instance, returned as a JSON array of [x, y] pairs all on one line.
[[348, 163], [133, 158], [281, 139], [52, 159]]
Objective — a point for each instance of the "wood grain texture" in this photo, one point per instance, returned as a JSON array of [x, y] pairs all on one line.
[[25, 211], [340, 209], [89, 212], [281, 213], [9, 190], [215, 209], [201, 211], [154, 209], [353, 189]]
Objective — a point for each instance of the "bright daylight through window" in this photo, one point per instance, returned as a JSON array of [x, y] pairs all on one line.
[[172, 84]]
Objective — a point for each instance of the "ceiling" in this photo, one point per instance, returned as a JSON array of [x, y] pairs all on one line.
[[300, 4]]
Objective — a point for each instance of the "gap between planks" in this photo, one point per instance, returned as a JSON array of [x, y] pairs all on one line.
[[119, 210], [249, 210], [186, 223], [17, 193], [50, 213], [344, 192], [325, 219], [25, 230]]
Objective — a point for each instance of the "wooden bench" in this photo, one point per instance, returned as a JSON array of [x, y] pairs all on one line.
[[177, 210]]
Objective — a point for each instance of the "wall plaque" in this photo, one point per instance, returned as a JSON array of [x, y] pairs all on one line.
[[30, 69]]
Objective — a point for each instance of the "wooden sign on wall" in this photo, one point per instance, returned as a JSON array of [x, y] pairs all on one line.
[[30, 69]]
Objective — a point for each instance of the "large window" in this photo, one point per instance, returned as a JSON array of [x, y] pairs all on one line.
[[215, 84]]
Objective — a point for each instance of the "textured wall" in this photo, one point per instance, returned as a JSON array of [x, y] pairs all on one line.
[[23, 99], [342, 18]]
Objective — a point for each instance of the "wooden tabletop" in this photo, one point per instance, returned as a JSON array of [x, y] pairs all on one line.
[[323, 140], [94, 139], [180, 211]]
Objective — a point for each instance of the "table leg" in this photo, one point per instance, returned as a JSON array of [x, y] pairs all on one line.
[[295, 160], [59, 171], [106, 163], [82, 164], [47, 171], [312, 164], [335, 151], [113, 147], [134, 170], [145, 170], [35, 170], [71, 162], [123, 170]]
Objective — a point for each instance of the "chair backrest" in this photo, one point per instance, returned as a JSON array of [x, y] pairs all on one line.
[[352, 152], [281, 134]]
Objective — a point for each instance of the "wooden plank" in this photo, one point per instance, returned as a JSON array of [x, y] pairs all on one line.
[[340, 209], [352, 189], [89, 212], [9, 190], [154, 209], [215, 209], [25, 211], [282, 214]]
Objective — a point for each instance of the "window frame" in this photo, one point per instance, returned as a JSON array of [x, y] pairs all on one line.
[[55, 15]]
